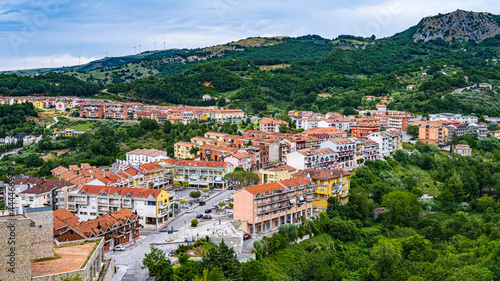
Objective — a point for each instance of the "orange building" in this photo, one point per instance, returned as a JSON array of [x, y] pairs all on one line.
[[267, 206], [363, 130], [432, 132]]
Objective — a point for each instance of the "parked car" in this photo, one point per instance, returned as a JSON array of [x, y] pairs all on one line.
[[227, 199], [207, 217], [208, 211], [189, 211], [246, 236], [119, 248], [231, 187], [214, 207], [199, 216], [202, 203]]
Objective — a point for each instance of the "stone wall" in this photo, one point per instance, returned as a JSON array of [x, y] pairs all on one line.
[[89, 272], [15, 262], [42, 234], [110, 271]]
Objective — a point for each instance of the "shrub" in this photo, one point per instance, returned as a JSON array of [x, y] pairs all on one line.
[[194, 223]]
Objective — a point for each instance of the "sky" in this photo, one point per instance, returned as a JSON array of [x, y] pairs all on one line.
[[46, 33]]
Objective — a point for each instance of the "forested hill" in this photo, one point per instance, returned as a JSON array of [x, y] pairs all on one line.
[[274, 75]]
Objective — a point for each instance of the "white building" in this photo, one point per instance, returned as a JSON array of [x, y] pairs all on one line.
[[389, 141], [91, 201], [312, 158], [452, 116], [143, 156]]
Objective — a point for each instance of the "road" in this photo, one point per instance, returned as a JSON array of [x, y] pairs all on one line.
[[55, 122], [134, 253]]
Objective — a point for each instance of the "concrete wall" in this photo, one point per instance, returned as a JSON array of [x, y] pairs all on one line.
[[15, 229], [110, 271]]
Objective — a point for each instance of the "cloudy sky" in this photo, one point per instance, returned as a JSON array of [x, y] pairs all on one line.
[[42, 33]]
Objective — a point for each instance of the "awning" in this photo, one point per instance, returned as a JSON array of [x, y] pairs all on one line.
[[301, 198], [218, 178], [292, 201]]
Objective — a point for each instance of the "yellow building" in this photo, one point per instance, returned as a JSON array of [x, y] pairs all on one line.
[[201, 141], [279, 173], [182, 150], [333, 182], [39, 105]]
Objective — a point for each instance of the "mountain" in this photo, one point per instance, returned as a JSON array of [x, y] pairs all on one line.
[[458, 25]]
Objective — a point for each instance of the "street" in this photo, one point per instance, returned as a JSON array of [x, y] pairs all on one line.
[[134, 253]]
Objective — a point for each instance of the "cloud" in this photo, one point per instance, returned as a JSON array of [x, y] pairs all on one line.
[[7, 63]]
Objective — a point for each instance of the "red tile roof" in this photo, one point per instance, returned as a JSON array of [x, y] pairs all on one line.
[[262, 188], [110, 190], [194, 163], [39, 186], [322, 174]]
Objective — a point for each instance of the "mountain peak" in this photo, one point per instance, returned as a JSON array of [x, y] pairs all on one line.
[[456, 25]]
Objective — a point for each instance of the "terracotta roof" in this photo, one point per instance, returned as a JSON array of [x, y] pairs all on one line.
[[322, 174], [318, 151], [187, 144], [370, 142], [169, 161], [194, 163], [202, 139], [39, 186], [216, 134], [110, 190], [86, 166], [63, 218], [240, 155], [262, 188], [282, 167], [80, 180], [85, 173], [68, 175], [147, 152], [74, 168], [59, 170]]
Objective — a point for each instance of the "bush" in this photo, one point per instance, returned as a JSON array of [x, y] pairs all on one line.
[[194, 223]]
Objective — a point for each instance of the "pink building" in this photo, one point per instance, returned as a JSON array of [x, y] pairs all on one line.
[[240, 159], [267, 206]]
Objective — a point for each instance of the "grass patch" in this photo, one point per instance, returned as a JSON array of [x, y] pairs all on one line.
[[49, 155], [74, 244], [55, 257], [83, 127], [408, 146], [89, 255], [198, 251]]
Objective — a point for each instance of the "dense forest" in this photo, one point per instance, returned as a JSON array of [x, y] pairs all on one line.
[[453, 236], [50, 84], [13, 120]]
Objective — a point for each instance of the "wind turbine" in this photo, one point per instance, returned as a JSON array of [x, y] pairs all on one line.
[[139, 47], [80, 62], [134, 50], [155, 43], [106, 53], [164, 44]]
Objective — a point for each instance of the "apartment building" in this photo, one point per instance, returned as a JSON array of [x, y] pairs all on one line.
[[213, 152], [363, 130], [278, 173], [241, 159], [91, 201], [330, 183], [182, 150], [312, 158], [271, 125], [400, 122], [371, 150], [432, 132], [202, 173], [267, 206], [452, 116], [143, 156], [388, 141], [116, 227], [462, 149], [345, 152], [51, 193], [215, 135]]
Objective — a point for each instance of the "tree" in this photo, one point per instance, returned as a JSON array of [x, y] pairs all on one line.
[[242, 178], [401, 156], [386, 256], [195, 194], [349, 111], [194, 150], [400, 206], [214, 274], [157, 264], [167, 127], [253, 270], [194, 222], [149, 124], [224, 258], [413, 131], [183, 201], [185, 183]]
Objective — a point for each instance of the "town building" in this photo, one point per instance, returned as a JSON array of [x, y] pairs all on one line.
[[388, 141], [363, 130], [143, 156], [271, 125], [70, 133], [462, 149], [49, 192], [116, 227], [182, 150], [452, 116], [432, 132], [278, 173], [91, 201], [267, 206], [202, 173], [330, 183], [322, 158]]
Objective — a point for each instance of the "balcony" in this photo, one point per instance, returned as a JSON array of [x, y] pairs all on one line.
[[273, 201]]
